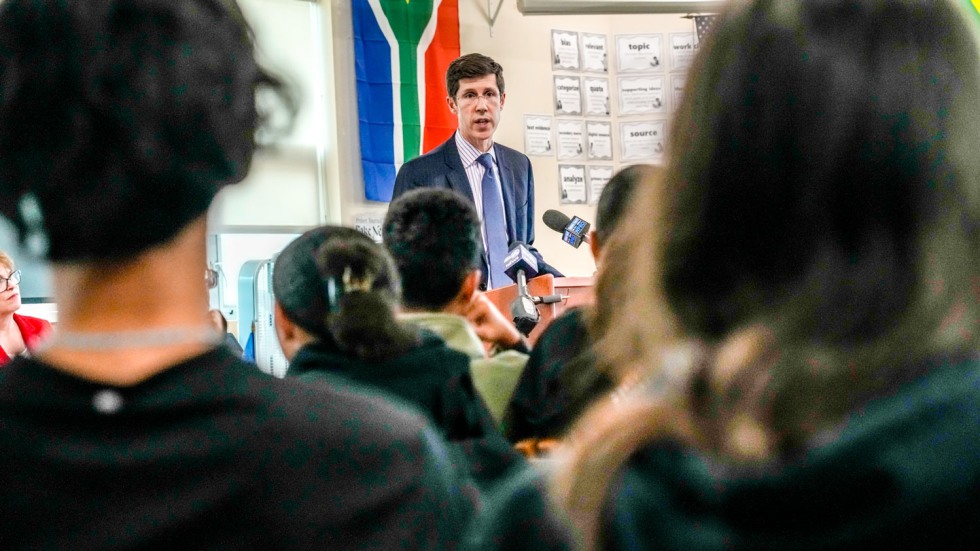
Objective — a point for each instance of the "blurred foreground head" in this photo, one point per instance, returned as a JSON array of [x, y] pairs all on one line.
[[814, 244], [818, 228], [433, 235], [121, 119], [822, 178]]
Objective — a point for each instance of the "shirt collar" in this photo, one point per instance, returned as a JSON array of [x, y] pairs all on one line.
[[469, 154]]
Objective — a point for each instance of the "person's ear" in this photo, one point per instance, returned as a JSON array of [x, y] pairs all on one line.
[[594, 245], [287, 332], [503, 97], [451, 103], [467, 291], [470, 284]]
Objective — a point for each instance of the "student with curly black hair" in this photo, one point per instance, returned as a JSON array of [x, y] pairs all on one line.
[[132, 427], [433, 236]]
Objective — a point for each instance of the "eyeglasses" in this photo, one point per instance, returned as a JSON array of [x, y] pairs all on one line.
[[493, 98], [6, 281]]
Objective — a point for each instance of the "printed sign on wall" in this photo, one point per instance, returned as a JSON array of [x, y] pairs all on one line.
[[600, 140], [564, 50], [571, 136], [639, 52], [596, 96], [572, 183], [568, 95], [641, 94], [595, 57], [642, 141], [599, 176], [537, 135]]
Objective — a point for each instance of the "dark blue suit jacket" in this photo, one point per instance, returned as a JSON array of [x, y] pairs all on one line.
[[442, 168]]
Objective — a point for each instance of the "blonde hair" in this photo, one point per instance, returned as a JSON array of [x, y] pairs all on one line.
[[6, 261]]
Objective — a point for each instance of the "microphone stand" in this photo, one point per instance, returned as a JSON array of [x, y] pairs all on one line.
[[526, 315], [548, 299]]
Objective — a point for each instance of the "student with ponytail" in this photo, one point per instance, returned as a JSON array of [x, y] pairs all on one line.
[[816, 244], [336, 285], [337, 294]]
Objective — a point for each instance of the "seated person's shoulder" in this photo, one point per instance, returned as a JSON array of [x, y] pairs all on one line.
[[35, 326], [572, 321], [325, 412], [332, 405], [438, 355], [362, 457], [564, 337]]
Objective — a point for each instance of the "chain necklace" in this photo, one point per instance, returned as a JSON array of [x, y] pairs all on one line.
[[121, 340]]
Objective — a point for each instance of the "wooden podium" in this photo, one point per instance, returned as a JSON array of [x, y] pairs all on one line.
[[575, 291]]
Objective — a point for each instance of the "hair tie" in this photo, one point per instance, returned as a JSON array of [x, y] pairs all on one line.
[[35, 238], [334, 291], [350, 284]]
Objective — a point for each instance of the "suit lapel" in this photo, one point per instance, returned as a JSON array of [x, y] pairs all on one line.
[[507, 188], [456, 174]]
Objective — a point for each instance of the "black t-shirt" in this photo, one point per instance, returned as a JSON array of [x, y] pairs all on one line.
[[212, 453], [433, 378]]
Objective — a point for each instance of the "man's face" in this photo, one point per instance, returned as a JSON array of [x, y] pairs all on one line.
[[477, 106]]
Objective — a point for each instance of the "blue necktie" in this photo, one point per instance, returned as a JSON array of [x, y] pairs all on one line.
[[494, 223]]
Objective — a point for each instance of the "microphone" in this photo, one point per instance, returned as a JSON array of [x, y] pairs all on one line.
[[574, 230], [520, 265]]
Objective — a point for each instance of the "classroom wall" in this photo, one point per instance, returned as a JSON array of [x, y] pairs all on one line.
[[287, 185], [522, 44]]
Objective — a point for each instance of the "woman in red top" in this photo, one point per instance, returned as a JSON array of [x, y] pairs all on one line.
[[18, 334]]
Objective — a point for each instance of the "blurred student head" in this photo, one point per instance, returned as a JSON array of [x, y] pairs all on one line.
[[434, 237], [826, 213], [335, 286], [824, 202], [817, 233], [615, 214]]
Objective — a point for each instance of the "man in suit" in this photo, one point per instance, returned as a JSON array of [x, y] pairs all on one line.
[[495, 178]]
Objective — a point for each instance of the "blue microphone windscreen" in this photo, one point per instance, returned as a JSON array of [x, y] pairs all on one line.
[[520, 258]]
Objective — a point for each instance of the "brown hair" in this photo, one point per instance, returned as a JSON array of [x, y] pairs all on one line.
[[472, 66], [816, 244]]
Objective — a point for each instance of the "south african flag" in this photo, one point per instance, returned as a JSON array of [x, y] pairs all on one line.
[[402, 49]]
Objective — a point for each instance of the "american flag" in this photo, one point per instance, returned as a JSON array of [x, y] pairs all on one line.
[[703, 23]]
